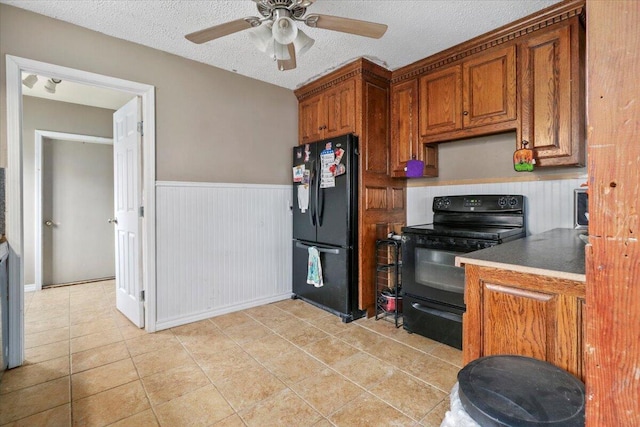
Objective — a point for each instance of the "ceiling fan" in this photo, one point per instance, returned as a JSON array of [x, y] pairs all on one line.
[[277, 34]]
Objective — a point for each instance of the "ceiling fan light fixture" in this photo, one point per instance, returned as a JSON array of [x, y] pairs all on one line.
[[303, 43], [286, 41], [30, 80], [261, 37], [280, 52], [284, 30]]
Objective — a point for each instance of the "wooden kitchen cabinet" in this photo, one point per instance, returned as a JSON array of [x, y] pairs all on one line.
[[327, 114], [310, 120], [553, 95], [526, 76], [473, 98], [441, 101], [405, 141], [489, 88], [510, 312]]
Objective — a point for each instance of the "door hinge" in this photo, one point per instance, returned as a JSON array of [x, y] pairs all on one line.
[[140, 129], [142, 295], [142, 211]]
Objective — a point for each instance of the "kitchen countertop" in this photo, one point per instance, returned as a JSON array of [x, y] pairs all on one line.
[[555, 253]]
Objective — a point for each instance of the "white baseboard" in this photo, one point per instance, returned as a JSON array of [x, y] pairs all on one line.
[[30, 288], [172, 323]]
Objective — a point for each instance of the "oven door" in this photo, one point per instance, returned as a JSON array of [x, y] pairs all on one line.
[[429, 270]]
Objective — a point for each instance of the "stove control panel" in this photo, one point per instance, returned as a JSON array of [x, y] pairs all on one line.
[[460, 244], [479, 203]]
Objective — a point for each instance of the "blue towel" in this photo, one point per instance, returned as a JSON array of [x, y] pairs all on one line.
[[314, 269]]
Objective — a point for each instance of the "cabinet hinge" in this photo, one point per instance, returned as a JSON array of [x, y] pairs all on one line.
[[142, 295], [140, 129], [141, 211]]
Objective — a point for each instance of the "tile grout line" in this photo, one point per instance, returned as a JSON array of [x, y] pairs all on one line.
[[205, 374], [336, 371], [113, 315], [275, 332]]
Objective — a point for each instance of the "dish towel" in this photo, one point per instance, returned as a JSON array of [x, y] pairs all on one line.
[[314, 269]]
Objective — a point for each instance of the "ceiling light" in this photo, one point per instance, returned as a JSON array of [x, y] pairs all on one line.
[[50, 85], [30, 80], [284, 30], [279, 51], [303, 42], [261, 36]]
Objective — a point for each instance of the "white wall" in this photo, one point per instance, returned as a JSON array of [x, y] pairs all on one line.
[[549, 203]]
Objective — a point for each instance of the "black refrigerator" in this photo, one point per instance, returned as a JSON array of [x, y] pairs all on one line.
[[325, 216]]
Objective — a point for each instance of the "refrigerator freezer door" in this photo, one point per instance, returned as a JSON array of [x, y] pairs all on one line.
[[304, 223], [335, 205], [335, 295]]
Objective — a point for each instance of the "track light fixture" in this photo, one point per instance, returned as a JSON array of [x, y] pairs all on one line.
[[30, 80], [50, 85]]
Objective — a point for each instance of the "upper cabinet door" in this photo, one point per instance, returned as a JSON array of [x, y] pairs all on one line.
[[404, 125], [489, 88], [328, 114], [340, 109], [311, 118], [441, 101], [553, 96]]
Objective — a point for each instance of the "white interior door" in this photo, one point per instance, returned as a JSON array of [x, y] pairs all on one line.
[[127, 219], [77, 195]]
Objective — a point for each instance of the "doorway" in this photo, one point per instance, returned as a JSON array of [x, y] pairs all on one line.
[[15, 227], [73, 199]]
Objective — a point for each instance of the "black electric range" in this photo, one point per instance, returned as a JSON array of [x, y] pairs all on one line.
[[433, 287]]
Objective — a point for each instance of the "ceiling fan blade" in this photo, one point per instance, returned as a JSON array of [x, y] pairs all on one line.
[[346, 25], [290, 63], [221, 30]]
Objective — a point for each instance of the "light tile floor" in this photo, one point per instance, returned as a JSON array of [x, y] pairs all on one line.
[[283, 364]]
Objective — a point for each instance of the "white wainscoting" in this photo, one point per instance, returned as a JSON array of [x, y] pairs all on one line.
[[549, 203], [220, 248]]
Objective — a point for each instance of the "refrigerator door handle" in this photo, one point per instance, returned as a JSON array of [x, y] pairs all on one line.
[[320, 206], [321, 250], [318, 212], [312, 205]]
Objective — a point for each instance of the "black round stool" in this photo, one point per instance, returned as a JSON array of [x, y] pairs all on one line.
[[517, 391]]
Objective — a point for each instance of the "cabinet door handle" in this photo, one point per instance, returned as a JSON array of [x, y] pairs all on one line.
[[466, 113]]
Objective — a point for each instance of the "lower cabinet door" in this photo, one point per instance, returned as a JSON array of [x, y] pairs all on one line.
[[516, 321]]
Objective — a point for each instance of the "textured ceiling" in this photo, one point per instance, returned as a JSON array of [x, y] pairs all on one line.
[[416, 29]]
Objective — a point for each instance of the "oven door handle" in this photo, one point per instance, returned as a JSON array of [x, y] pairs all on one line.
[[445, 314], [321, 250]]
